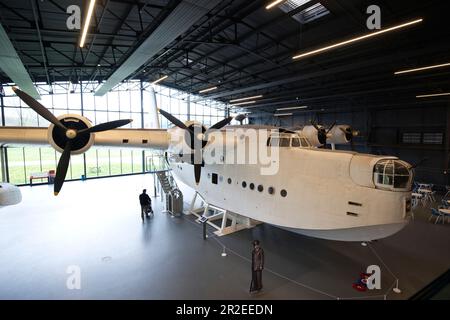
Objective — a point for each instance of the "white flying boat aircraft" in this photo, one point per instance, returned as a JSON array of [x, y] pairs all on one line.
[[327, 194]]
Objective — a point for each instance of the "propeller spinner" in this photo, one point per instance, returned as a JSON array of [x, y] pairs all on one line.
[[72, 135]]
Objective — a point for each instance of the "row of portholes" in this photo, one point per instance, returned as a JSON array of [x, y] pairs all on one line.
[[260, 188]]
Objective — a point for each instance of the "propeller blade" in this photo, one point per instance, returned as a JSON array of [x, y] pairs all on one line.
[[172, 119], [197, 172], [322, 136], [61, 170], [315, 125], [106, 126], [39, 108], [331, 128], [198, 162], [221, 124]]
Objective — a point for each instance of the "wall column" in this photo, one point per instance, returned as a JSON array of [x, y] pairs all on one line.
[[3, 150], [447, 148], [141, 87], [82, 113], [189, 107]]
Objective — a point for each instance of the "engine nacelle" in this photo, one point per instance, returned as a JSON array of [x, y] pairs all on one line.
[[313, 135], [9, 194], [340, 135], [58, 139]]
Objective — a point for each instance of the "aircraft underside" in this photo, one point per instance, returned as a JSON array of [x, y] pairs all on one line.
[[367, 233], [228, 199]]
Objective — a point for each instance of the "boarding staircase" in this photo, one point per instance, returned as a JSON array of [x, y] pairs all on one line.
[[158, 165], [166, 181]]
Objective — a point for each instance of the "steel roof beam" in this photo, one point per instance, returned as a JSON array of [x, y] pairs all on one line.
[[179, 21]]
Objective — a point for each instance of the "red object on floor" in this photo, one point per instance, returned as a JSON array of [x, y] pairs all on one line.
[[359, 287]]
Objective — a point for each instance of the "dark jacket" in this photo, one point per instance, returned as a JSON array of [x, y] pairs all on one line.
[[144, 199], [257, 259]]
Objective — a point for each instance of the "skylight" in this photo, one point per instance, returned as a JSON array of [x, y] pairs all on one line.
[[307, 15], [292, 4]]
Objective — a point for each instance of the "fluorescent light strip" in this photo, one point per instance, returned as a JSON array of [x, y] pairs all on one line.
[[433, 95], [87, 23], [273, 4], [367, 36], [248, 98], [292, 108], [208, 90], [242, 103], [424, 68], [160, 79], [283, 114]]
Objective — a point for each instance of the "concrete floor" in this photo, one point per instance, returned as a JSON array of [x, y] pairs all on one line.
[[96, 226]]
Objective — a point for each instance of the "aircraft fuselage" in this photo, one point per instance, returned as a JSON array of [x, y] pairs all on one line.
[[320, 193]]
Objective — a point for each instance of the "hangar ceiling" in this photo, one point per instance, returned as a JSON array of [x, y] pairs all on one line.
[[244, 49]]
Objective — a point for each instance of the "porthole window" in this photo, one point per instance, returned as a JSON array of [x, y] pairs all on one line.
[[229, 181], [283, 193], [252, 186], [271, 190], [244, 184], [260, 188]]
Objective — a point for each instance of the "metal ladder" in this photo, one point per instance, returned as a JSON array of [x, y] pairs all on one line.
[[158, 165], [167, 181]]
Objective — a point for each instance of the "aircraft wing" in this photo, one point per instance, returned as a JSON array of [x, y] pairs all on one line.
[[123, 138]]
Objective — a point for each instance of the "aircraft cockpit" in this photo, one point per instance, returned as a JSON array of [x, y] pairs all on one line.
[[395, 175], [288, 140]]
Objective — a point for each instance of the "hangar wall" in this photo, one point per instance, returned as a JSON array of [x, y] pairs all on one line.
[[413, 134]]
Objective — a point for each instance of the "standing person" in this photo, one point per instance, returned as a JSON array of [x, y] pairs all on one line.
[[146, 204], [257, 267]]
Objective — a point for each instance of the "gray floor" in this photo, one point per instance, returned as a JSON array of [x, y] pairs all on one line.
[[96, 225]]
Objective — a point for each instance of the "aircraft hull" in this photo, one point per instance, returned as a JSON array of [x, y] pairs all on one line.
[[320, 195], [360, 234]]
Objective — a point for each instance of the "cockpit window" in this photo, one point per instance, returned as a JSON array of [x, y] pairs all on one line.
[[296, 142], [285, 142], [304, 142], [392, 174]]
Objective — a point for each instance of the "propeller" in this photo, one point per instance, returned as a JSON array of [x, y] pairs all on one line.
[[70, 134], [196, 138], [349, 133], [322, 134]]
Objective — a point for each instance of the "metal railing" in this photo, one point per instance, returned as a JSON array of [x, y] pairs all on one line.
[[157, 164]]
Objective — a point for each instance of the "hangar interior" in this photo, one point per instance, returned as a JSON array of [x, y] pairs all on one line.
[[206, 62]]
